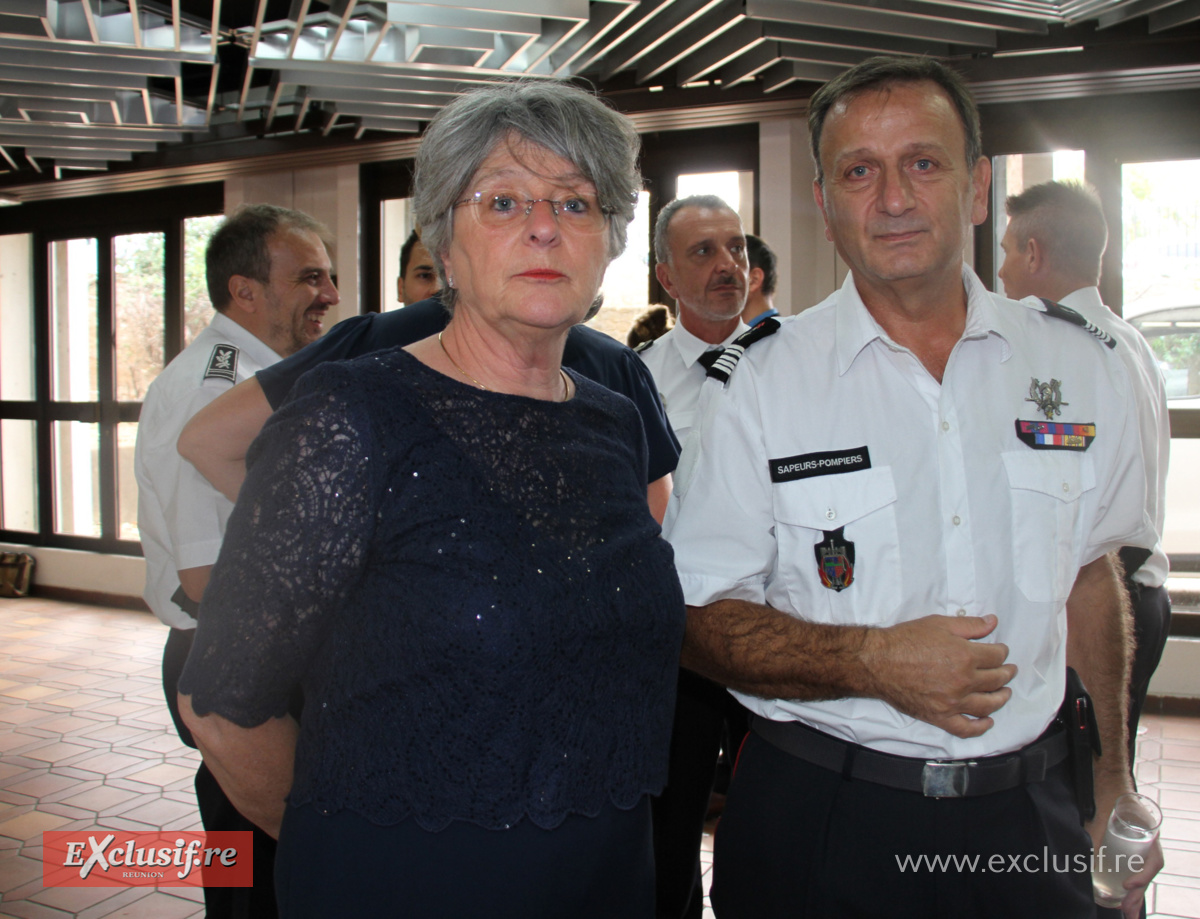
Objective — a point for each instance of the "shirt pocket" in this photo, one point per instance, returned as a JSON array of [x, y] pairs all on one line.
[[863, 505], [1047, 519]]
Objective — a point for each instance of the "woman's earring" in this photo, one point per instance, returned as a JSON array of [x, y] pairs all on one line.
[[450, 281]]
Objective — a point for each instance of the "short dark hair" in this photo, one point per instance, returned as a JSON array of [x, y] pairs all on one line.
[[239, 246], [406, 251], [1067, 220], [880, 72], [760, 256]]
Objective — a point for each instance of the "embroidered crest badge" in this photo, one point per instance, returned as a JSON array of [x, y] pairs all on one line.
[[222, 365], [835, 560], [1047, 397]]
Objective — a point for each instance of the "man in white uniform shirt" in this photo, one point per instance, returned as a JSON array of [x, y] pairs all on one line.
[[893, 542], [269, 278], [700, 248], [1053, 248]]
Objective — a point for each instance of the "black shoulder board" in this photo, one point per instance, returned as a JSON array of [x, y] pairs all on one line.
[[1058, 311], [223, 364], [724, 365], [644, 345]]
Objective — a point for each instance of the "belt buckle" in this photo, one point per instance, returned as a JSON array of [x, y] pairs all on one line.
[[945, 780]]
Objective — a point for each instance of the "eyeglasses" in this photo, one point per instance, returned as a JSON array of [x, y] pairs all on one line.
[[578, 213]]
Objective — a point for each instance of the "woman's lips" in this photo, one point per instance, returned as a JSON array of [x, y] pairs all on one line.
[[542, 274]]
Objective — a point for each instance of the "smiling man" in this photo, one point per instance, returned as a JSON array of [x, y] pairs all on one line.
[[894, 540], [269, 278]]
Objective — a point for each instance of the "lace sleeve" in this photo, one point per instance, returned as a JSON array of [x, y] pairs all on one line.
[[295, 544]]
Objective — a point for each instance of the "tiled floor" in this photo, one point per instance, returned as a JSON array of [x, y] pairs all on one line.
[[85, 740]]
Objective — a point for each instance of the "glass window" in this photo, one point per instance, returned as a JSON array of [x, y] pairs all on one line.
[[76, 447], [18, 475], [73, 321], [139, 289], [734, 188], [397, 220], [1160, 221], [127, 490], [16, 318], [627, 279], [197, 307]]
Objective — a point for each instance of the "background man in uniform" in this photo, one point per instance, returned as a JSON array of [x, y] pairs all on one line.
[[895, 541], [760, 289], [269, 279], [418, 277], [1053, 246], [701, 251], [700, 248]]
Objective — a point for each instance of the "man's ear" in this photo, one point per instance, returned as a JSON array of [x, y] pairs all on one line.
[[663, 273], [755, 280], [244, 293], [1034, 256]]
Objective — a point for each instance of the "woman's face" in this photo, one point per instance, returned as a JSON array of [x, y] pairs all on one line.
[[540, 270]]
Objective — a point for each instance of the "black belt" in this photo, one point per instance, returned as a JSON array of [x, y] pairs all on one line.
[[932, 778]]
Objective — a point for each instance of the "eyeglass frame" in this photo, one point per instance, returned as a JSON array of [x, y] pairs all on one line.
[[605, 210]]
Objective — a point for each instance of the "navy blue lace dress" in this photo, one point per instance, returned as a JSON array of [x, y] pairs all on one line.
[[483, 618]]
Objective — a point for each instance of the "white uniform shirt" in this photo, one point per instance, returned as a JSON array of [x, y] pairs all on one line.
[[673, 360], [1143, 370], [181, 517], [948, 510]]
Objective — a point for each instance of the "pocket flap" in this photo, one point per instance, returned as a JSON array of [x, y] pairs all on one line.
[[1063, 475], [830, 501]]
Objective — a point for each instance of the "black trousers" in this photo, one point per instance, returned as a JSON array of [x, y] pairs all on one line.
[[217, 812], [800, 841], [1151, 607], [705, 713]]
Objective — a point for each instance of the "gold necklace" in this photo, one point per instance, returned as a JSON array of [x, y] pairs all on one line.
[[457, 366]]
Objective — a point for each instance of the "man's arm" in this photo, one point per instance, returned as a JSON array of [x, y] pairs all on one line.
[[217, 438], [658, 495], [194, 580], [252, 765], [1099, 647], [928, 668]]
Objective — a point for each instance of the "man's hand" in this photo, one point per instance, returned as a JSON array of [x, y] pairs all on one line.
[[933, 670], [1136, 886]]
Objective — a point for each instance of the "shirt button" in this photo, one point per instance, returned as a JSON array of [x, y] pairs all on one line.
[[945, 425], [1066, 486], [957, 520], [960, 612], [830, 513]]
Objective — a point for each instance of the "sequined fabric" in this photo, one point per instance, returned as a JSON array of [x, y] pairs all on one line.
[[469, 588]]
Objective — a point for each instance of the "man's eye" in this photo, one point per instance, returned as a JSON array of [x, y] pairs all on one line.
[[924, 165], [858, 172]]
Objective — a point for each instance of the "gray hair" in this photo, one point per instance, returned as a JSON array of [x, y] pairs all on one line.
[[1067, 221], [881, 72], [569, 122], [239, 246], [662, 251]]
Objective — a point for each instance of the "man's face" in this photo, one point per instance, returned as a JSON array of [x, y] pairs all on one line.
[[299, 292], [899, 198], [1014, 273], [419, 281], [707, 271]]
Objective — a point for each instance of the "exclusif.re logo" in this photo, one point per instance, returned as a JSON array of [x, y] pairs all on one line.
[[108, 858]]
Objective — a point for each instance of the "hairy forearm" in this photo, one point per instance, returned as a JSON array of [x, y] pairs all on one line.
[[252, 765], [930, 668], [218, 436], [1099, 647]]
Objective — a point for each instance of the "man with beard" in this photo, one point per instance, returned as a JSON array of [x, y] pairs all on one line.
[[270, 281], [700, 247]]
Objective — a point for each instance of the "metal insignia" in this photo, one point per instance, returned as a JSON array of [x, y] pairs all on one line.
[[835, 560], [1047, 397]]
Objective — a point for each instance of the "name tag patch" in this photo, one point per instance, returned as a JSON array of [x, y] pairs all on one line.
[[1055, 435], [807, 465]]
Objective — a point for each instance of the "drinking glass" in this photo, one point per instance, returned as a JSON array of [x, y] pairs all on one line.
[[1132, 829]]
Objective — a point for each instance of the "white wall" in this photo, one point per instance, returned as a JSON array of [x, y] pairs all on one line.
[[120, 575]]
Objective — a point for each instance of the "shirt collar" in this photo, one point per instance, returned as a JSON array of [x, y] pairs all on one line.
[[1086, 300], [258, 350], [856, 328], [689, 347]]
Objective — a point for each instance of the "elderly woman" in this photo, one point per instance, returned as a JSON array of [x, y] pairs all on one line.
[[448, 548]]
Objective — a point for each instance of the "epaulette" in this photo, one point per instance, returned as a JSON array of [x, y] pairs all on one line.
[[1058, 311], [644, 345], [222, 365], [724, 365]]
